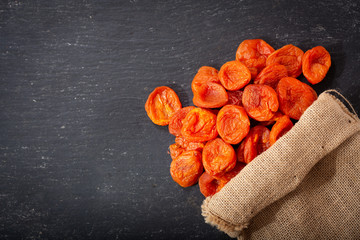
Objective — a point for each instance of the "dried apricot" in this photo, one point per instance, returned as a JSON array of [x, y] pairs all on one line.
[[282, 126], [208, 184], [175, 150], [235, 97], [289, 56], [234, 75], [207, 89], [199, 125], [294, 97], [187, 168], [232, 123], [161, 104], [260, 101], [315, 64], [206, 74], [218, 157], [271, 75], [198, 146], [175, 123], [253, 53], [256, 142]]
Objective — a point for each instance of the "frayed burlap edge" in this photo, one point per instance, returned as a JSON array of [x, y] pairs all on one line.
[[216, 221]]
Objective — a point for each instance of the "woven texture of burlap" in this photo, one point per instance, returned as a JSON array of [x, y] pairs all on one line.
[[305, 186]]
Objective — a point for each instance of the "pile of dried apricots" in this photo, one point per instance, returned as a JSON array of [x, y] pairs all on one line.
[[240, 110]]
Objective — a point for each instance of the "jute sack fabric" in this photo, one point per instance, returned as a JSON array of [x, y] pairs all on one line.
[[305, 186]]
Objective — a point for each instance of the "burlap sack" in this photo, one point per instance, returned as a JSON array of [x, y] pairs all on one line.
[[306, 186]]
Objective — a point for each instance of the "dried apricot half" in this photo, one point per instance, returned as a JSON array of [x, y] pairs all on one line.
[[235, 97], [161, 104], [207, 89], [199, 125], [260, 101], [256, 142], [198, 146], [315, 64], [187, 168], [175, 150], [208, 184], [271, 75], [289, 56], [218, 157], [294, 97], [175, 123], [232, 123], [234, 75], [253, 53], [282, 126]]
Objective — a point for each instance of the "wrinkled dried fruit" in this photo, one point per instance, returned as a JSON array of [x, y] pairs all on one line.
[[253, 54], [175, 123], [198, 146], [282, 126], [315, 64], [260, 101], [207, 89], [187, 168], [256, 142], [271, 75], [234, 75], [289, 56], [294, 97], [161, 104], [199, 125], [175, 150], [232, 123], [208, 184], [218, 157], [235, 97]]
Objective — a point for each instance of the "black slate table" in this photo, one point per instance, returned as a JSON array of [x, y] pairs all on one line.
[[79, 158]]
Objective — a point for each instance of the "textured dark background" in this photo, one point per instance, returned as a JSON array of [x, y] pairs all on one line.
[[79, 158]]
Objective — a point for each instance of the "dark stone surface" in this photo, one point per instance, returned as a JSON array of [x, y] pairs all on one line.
[[79, 157]]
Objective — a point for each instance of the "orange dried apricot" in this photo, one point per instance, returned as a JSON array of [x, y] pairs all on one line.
[[260, 101], [282, 126], [175, 123], [315, 64], [207, 89], [294, 97], [175, 150], [199, 125], [187, 168], [218, 157], [234, 75], [232, 123], [235, 97], [208, 184], [161, 104], [289, 56], [271, 75], [198, 146], [253, 53], [256, 142]]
